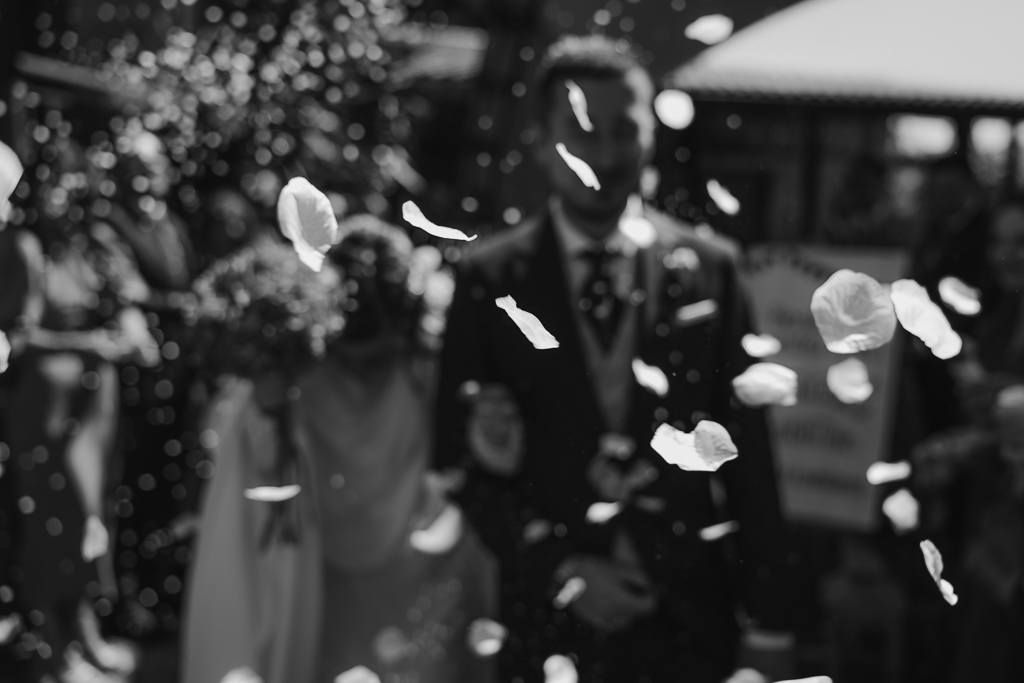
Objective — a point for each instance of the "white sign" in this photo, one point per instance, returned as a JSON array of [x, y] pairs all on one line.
[[823, 447]]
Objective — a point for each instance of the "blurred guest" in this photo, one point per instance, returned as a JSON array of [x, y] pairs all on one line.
[[368, 565], [78, 319], [546, 434]]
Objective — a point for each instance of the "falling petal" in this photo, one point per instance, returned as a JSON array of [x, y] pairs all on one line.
[[717, 531], [760, 345], [307, 218], [95, 540], [528, 324], [578, 102], [766, 384], [412, 214], [273, 494], [702, 450], [570, 592], [359, 674], [560, 669], [5, 351], [674, 108], [579, 167], [650, 377], [903, 511], [710, 29], [932, 559], [442, 535], [536, 530], [848, 381], [639, 230], [10, 175], [923, 319], [392, 645], [697, 312], [722, 198], [486, 637], [241, 675], [853, 313], [946, 588], [600, 513], [885, 472], [960, 296], [618, 446]]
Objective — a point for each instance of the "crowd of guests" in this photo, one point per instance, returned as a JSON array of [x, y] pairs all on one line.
[[385, 507]]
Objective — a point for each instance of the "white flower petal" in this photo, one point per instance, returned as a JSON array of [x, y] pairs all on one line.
[[903, 511], [923, 319], [722, 198], [486, 637], [359, 674], [600, 513], [766, 384], [650, 377], [717, 531], [242, 674], [760, 345], [639, 230], [853, 313], [571, 590], [5, 350], [528, 324], [932, 559], [442, 535], [307, 218], [710, 29], [674, 108], [960, 296], [699, 311], [848, 381], [560, 669], [412, 214], [579, 167], [702, 450], [10, 175], [578, 102], [946, 588], [273, 494], [95, 540], [536, 530], [885, 472]]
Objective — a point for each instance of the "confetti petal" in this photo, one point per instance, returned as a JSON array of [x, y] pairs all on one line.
[[579, 167], [885, 472], [960, 296], [528, 324], [717, 531], [536, 530], [853, 313], [307, 219], [570, 592], [442, 535], [722, 198], [600, 513], [702, 450], [412, 214], [650, 377], [946, 588], [5, 351], [578, 102], [242, 674], [10, 175], [766, 384], [697, 312], [903, 511], [760, 345], [848, 381], [560, 669], [95, 540], [486, 637], [359, 674], [932, 559], [273, 494], [923, 319], [674, 108], [710, 29]]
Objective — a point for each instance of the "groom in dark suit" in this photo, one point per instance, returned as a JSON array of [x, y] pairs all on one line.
[[544, 435]]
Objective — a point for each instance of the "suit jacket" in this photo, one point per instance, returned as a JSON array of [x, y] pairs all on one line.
[[564, 423]]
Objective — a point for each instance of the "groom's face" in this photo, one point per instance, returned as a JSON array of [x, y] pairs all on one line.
[[617, 150]]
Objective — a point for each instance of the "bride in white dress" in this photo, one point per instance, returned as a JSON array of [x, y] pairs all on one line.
[[383, 575]]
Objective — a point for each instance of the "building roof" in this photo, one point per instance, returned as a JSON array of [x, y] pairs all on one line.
[[921, 54]]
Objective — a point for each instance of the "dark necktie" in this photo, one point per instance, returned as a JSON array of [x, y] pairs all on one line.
[[600, 306]]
